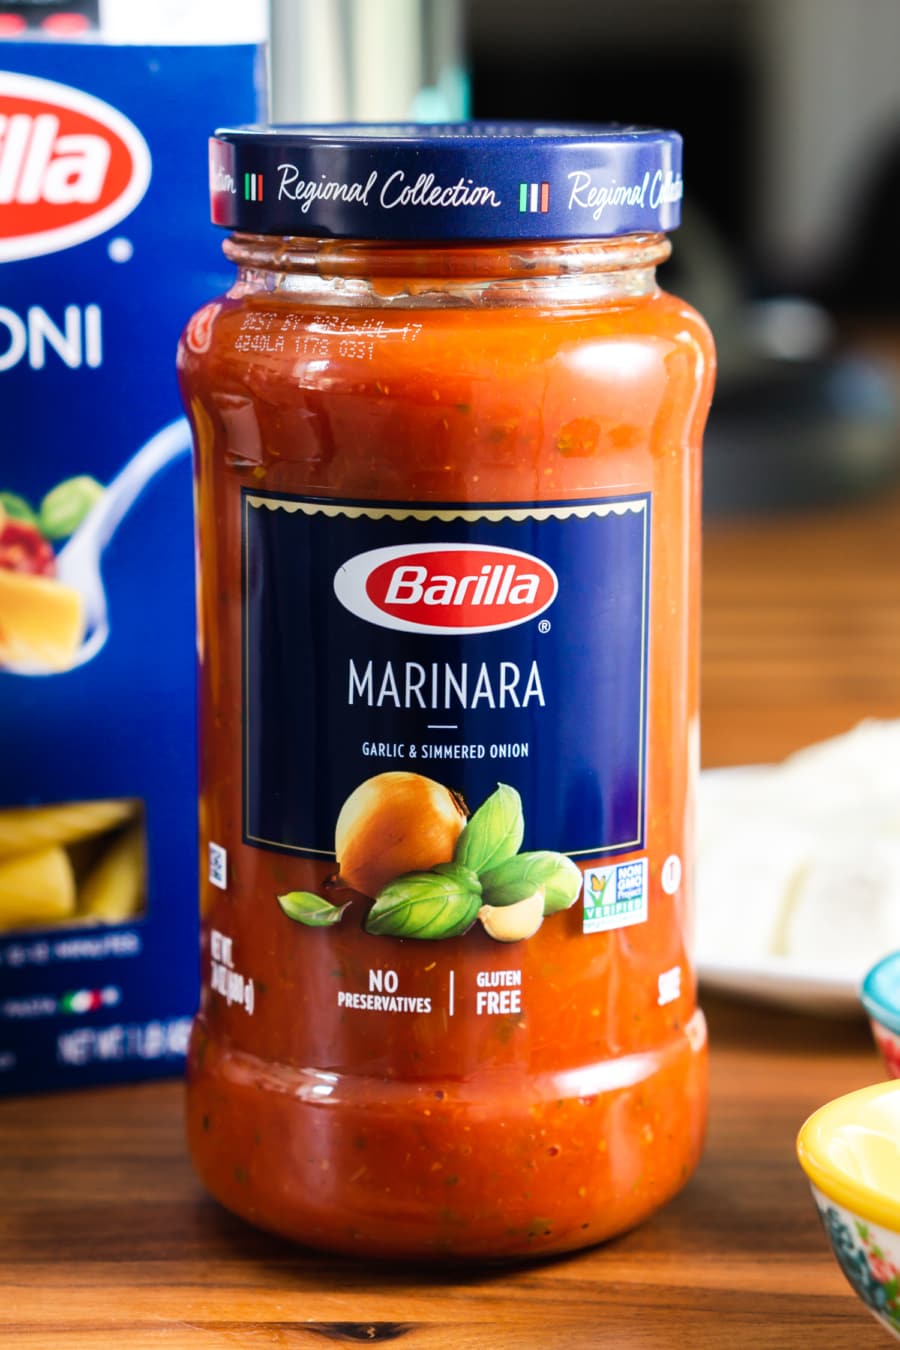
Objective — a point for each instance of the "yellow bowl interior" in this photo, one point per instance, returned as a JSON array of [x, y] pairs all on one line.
[[850, 1149]]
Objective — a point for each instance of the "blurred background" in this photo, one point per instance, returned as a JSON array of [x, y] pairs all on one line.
[[790, 111]]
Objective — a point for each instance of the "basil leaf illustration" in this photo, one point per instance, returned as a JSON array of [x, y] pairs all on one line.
[[511, 892], [494, 833], [517, 877], [462, 874], [424, 905], [312, 910], [65, 506], [17, 508]]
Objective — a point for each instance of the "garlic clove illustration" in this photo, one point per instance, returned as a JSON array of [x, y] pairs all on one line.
[[513, 923]]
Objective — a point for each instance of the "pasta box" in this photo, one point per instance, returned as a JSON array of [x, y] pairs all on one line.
[[105, 251]]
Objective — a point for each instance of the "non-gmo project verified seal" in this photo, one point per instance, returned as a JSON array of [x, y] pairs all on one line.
[[615, 896]]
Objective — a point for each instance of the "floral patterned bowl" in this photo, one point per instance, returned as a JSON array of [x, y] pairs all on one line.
[[850, 1151], [881, 1000]]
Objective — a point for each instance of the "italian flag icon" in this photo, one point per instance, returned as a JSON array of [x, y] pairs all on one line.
[[534, 197]]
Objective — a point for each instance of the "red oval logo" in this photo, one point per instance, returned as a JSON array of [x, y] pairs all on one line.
[[446, 588], [71, 166]]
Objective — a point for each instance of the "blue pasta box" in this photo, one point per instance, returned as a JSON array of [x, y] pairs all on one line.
[[105, 251]]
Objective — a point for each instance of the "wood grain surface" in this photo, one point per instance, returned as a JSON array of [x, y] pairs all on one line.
[[106, 1239], [801, 629]]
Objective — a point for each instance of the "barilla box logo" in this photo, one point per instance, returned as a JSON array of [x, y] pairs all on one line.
[[71, 166], [446, 588]]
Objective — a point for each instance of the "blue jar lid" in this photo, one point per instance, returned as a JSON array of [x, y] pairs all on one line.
[[471, 180]]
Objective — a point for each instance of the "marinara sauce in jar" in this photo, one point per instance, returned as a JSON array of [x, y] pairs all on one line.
[[448, 471]]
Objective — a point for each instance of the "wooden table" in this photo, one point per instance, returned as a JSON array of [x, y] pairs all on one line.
[[107, 1240]]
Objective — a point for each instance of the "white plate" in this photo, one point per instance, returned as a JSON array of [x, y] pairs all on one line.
[[786, 982], [801, 858]]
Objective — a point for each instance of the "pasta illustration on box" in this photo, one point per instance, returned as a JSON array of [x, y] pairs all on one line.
[[53, 606], [41, 617], [79, 863]]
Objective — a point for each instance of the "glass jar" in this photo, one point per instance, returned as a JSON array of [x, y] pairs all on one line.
[[448, 498]]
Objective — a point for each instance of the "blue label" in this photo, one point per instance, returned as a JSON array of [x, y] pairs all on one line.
[[475, 645]]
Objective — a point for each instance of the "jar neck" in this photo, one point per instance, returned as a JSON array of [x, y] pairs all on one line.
[[399, 275]]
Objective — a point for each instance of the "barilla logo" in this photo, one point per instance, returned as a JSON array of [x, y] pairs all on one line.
[[71, 166], [446, 588]]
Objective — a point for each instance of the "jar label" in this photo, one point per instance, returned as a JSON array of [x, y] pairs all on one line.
[[488, 647]]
